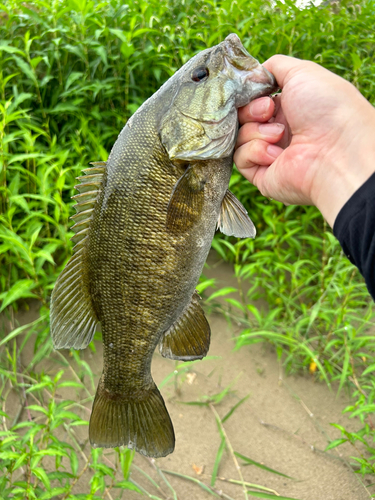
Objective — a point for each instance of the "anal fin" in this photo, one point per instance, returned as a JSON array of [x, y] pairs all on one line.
[[189, 337], [233, 218]]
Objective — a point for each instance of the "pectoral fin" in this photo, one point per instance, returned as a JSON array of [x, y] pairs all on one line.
[[189, 337], [186, 203], [233, 218]]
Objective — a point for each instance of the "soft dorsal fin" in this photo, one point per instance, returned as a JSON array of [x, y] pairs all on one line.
[[73, 319], [233, 218], [189, 337]]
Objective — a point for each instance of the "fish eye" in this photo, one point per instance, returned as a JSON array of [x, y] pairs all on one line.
[[200, 74]]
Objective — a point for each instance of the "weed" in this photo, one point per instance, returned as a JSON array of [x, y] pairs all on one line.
[[70, 76]]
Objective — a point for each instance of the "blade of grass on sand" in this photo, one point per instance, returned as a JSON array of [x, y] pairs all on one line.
[[204, 486], [144, 473], [230, 448], [234, 408], [269, 497], [250, 485], [219, 454], [214, 399], [249, 461], [145, 492], [160, 473], [222, 443]]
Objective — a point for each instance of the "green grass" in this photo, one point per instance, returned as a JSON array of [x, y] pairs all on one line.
[[70, 75]]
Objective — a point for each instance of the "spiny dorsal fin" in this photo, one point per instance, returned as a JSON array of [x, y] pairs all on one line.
[[189, 337], [89, 189], [233, 218], [73, 319]]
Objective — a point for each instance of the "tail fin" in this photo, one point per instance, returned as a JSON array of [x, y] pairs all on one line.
[[142, 423]]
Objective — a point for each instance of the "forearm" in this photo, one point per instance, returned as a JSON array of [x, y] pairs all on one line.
[[355, 229]]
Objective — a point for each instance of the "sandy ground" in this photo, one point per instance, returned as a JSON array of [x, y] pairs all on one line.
[[284, 424]]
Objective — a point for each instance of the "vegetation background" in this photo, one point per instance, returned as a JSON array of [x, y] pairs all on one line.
[[71, 73]]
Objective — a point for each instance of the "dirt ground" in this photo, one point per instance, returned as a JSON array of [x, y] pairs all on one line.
[[284, 424]]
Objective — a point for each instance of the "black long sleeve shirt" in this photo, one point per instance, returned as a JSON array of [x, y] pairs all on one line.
[[355, 229]]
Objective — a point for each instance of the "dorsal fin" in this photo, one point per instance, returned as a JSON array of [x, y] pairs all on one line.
[[89, 189], [73, 319]]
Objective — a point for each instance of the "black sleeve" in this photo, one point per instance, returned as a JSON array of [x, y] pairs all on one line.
[[355, 229]]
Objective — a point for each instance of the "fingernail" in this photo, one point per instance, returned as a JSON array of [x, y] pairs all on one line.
[[274, 151], [271, 129], [259, 107]]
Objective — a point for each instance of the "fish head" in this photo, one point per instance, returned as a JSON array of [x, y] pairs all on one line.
[[201, 121]]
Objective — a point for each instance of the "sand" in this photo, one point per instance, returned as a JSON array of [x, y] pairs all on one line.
[[284, 424]]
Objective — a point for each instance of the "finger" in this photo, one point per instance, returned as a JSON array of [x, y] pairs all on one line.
[[283, 67], [256, 175], [270, 132], [279, 117], [259, 110], [256, 152]]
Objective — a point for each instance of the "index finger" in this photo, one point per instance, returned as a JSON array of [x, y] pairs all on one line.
[[283, 67], [259, 110]]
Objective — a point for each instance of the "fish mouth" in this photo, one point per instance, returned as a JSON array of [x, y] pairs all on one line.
[[262, 76], [258, 76], [239, 64]]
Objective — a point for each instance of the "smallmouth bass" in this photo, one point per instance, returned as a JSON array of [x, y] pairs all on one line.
[[144, 225]]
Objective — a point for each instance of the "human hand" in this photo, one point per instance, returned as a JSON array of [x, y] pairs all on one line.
[[315, 144]]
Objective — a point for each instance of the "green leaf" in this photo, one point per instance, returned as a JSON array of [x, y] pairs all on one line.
[[25, 68], [335, 443], [127, 485], [357, 63], [74, 462], [21, 202], [8, 48], [41, 474], [71, 384], [221, 292], [53, 493], [38, 408], [120, 34], [268, 496], [21, 289], [205, 284]]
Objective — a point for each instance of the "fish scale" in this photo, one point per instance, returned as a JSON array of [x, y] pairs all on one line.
[[145, 221]]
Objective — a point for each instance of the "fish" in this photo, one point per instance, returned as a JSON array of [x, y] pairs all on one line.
[[144, 225]]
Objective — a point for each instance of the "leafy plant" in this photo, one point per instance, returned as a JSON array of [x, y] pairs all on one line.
[[70, 76]]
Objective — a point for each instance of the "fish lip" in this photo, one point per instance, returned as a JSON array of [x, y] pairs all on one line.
[[261, 75]]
